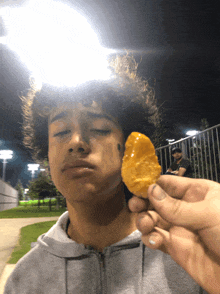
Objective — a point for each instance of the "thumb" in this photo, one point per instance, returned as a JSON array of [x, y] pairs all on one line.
[[191, 215]]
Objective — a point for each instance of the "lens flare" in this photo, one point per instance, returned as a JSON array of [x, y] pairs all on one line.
[[55, 42]]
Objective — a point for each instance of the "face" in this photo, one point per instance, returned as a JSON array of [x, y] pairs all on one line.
[[177, 155], [84, 156]]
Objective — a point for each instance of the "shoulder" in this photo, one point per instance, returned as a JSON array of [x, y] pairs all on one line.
[[30, 272], [185, 162]]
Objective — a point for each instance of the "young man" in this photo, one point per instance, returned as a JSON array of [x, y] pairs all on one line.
[[181, 166], [95, 247]]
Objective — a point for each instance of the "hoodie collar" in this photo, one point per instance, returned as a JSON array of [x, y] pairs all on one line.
[[57, 242]]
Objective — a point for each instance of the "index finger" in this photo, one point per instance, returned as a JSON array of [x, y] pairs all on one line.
[[137, 204]]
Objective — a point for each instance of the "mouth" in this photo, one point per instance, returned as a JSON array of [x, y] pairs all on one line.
[[78, 168]]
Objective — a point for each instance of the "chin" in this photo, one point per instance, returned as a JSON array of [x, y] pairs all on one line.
[[80, 192], [87, 189], [88, 193]]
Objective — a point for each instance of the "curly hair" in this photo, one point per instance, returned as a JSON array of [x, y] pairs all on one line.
[[126, 97]]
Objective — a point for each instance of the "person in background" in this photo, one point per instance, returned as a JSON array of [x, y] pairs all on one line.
[[180, 167]]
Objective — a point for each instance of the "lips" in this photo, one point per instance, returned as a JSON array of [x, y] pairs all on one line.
[[77, 165]]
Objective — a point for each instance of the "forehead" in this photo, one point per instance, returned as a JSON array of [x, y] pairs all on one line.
[[79, 111]]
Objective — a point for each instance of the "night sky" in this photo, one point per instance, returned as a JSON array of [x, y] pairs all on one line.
[[178, 42]]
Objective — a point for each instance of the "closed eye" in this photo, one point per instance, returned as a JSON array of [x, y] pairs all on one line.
[[62, 133], [100, 131]]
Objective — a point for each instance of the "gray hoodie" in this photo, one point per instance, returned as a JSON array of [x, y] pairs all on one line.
[[59, 265]]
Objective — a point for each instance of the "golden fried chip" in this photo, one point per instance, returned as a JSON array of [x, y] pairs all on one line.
[[140, 167]]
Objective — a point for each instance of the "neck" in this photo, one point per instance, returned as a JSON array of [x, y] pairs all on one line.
[[101, 224], [178, 161]]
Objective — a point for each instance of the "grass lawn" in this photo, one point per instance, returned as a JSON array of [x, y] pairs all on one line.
[[29, 234], [20, 212], [35, 202]]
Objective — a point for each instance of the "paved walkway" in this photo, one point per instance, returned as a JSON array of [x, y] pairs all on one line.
[[9, 235]]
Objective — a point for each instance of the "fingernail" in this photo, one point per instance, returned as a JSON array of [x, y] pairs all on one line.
[[140, 219], [152, 240], [158, 193]]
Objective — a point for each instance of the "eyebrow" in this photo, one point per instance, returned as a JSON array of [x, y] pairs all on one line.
[[58, 116], [99, 115], [91, 114]]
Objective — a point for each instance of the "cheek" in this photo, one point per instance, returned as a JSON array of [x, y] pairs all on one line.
[[111, 155], [54, 155], [51, 153]]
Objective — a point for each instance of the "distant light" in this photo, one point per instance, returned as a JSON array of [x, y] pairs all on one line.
[[192, 133], [55, 42], [42, 169], [6, 154], [33, 166], [25, 191], [170, 140]]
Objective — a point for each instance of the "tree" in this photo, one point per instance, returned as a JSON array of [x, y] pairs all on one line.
[[42, 187], [204, 124], [20, 189], [60, 199]]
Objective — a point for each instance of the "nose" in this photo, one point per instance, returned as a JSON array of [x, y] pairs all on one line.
[[79, 143]]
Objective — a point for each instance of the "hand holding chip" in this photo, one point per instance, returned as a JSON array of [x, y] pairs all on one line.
[[180, 216], [185, 223]]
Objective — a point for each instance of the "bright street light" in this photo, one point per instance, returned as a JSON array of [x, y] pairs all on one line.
[[33, 167], [25, 193], [170, 140], [5, 154], [55, 42], [192, 133]]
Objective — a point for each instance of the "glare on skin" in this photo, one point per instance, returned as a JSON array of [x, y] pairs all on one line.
[[79, 130]]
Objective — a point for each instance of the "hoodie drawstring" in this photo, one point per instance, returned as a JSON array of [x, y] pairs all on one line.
[[142, 247], [65, 274]]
